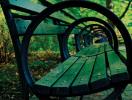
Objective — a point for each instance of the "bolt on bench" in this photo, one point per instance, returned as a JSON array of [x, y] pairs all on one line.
[[96, 68]]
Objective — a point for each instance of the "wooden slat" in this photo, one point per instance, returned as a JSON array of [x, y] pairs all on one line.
[[61, 16], [81, 82], [34, 8], [99, 77], [107, 47], [101, 49], [62, 86], [43, 28], [53, 76], [47, 28], [67, 12], [26, 4], [118, 69], [89, 51]]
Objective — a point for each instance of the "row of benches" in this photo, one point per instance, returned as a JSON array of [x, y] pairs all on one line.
[[97, 67]]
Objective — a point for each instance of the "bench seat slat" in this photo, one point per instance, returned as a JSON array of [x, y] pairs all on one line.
[[99, 76], [51, 77], [108, 47], [101, 49], [89, 51], [63, 84], [81, 82], [84, 74], [118, 69]]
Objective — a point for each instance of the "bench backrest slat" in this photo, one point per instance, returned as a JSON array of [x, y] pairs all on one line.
[[25, 4], [31, 8], [45, 28], [57, 72]]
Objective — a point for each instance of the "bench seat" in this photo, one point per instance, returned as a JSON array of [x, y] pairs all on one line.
[[84, 74]]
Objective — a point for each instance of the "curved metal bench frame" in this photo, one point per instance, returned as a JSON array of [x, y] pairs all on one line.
[[109, 31], [85, 36], [66, 34]]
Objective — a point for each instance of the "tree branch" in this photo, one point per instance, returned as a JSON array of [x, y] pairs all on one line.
[[124, 13]]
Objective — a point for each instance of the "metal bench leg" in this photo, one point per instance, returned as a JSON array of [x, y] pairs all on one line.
[[25, 91], [24, 86], [116, 94], [119, 98], [63, 51]]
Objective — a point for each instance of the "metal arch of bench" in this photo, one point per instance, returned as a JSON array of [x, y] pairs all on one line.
[[66, 4], [111, 36], [99, 26], [86, 41], [101, 31], [76, 23], [96, 20], [63, 46], [105, 29]]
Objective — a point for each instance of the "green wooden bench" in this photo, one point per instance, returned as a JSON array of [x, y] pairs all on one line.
[[96, 68], [54, 25], [107, 29]]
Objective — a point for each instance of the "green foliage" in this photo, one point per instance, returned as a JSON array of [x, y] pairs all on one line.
[[6, 48], [41, 43], [37, 64], [42, 62]]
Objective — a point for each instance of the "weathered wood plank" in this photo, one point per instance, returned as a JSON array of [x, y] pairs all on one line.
[[99, 77], [54, 75], [43, 28], [89, 51], [26, 4], [62, 86], [118, 69], [101, 49], [81, 82], [107, 47], [34, 8]]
